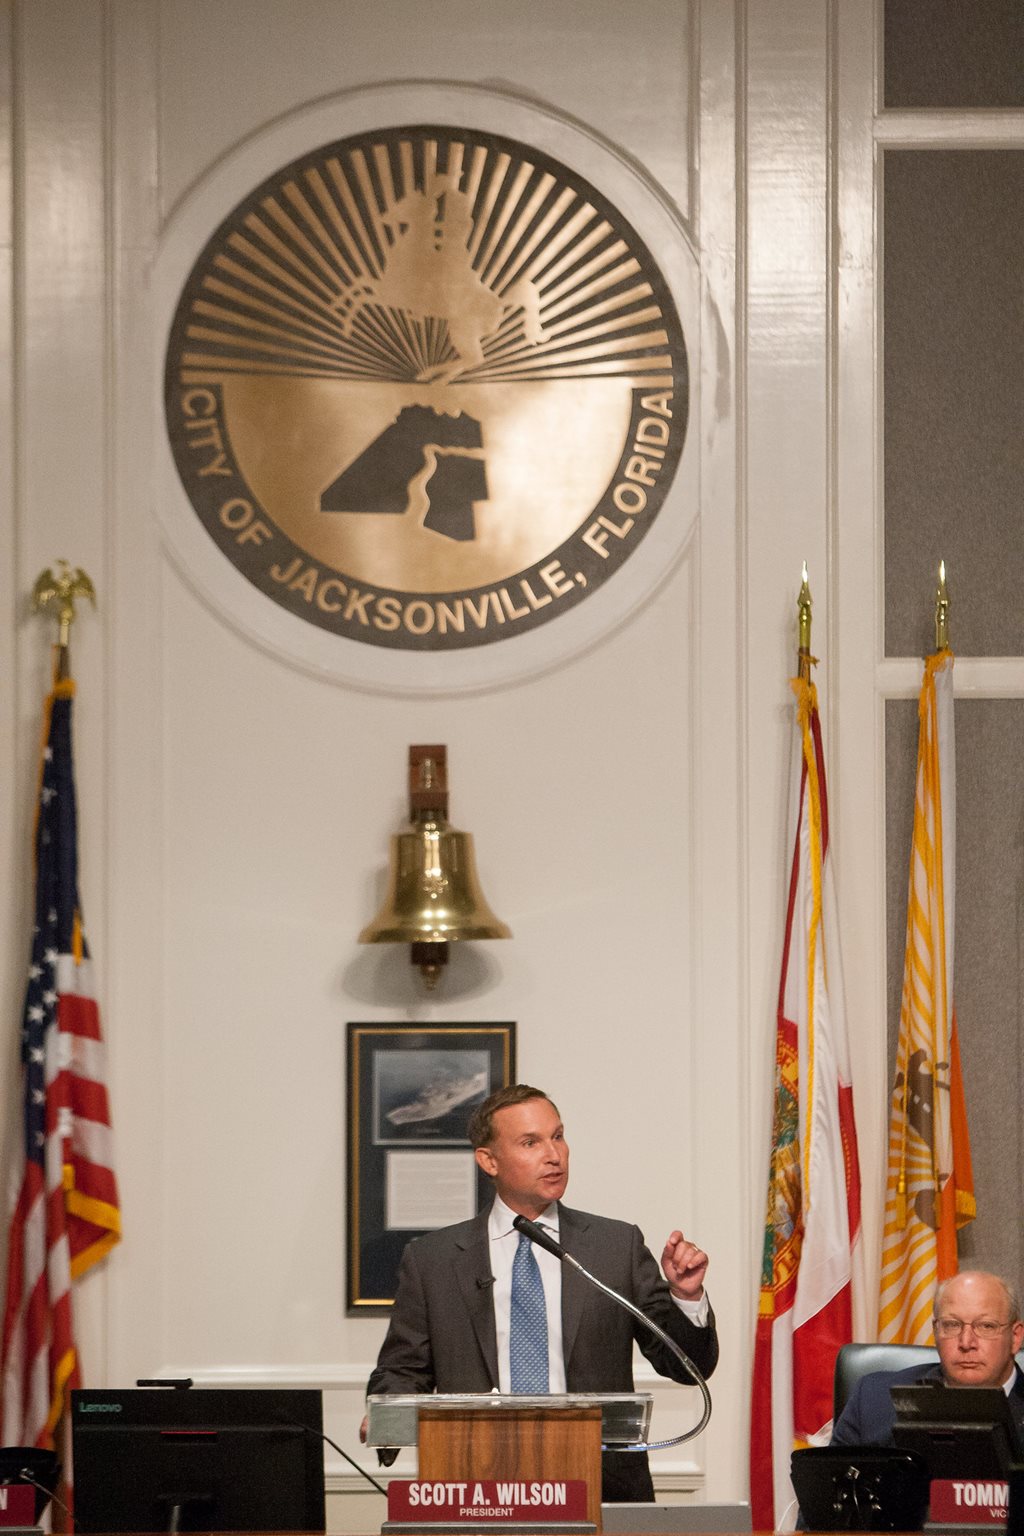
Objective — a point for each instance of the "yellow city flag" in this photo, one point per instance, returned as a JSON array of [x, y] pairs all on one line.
[[929, 1190]]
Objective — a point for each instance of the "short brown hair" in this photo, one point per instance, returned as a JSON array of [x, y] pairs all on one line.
[[481, 1122]]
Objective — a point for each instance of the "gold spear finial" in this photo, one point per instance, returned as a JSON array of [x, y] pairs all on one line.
[[941, 611], [803, 608], [60, 591]]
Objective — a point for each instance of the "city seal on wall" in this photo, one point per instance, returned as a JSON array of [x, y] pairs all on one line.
[[426, 388]]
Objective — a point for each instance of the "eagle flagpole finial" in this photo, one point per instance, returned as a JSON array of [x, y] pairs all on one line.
[[60, 591]]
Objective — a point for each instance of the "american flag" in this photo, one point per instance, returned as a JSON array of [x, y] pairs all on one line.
[[65, 1215]]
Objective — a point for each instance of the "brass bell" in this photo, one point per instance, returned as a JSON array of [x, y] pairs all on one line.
[[433, 896]]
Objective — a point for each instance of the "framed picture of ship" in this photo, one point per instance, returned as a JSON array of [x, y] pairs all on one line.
[[411, 1092]]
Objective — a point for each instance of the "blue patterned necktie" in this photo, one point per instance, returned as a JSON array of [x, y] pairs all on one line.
[[528, 1323]]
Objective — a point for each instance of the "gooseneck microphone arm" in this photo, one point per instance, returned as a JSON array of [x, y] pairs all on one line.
[[537, 1234]]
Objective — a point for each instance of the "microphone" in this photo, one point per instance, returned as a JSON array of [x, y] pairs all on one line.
[[537, 1234], [318, 1434], [25, 1476]]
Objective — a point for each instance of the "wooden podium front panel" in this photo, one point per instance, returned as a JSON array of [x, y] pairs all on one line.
[[561, 1444]]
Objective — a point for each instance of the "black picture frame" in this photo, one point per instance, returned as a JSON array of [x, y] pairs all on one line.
[[411, 1091]]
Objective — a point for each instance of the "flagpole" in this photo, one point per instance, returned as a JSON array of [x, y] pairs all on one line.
[[929, 1183], [65, 1216], [942, 611], [60, 591], [803, 607], [811, 1255]]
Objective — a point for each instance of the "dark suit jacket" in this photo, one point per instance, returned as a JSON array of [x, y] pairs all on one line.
[[869, 1415], [442, 1334]]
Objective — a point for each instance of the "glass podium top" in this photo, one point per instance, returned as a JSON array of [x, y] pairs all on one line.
[[393, 1417]]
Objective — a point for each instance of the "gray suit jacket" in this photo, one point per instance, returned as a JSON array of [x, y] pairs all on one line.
[[442, 1334]]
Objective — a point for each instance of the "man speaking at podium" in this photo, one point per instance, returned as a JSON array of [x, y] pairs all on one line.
[[479, 1307]]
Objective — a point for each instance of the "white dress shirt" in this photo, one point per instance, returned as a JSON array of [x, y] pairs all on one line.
[[503, 1241]]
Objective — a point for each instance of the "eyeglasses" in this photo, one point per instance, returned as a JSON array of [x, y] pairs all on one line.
[[952, 1328]]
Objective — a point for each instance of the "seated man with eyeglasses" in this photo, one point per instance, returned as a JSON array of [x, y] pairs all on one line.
[[978, 1330]]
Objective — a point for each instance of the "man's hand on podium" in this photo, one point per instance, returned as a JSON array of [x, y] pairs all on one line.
[[386, 1454], [684, 1266]]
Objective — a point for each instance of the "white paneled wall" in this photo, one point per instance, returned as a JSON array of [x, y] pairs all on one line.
[[627, 804]]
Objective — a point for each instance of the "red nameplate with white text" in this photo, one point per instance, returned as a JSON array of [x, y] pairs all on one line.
[[17, 1504], [968, 1501], [543, 1499]]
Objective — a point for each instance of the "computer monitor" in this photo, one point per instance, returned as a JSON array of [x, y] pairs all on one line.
[[961, 1432], [866, 1488], [202, 1459], [1015, 1502]]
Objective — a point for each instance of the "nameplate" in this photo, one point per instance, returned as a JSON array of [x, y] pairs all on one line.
[[968, 1501], [17, 1504], [543, 1500]]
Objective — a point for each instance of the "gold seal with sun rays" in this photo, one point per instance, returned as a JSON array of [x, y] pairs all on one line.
[[426, 388]]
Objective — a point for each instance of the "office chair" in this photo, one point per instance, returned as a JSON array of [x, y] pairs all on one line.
[[856, 1360]]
